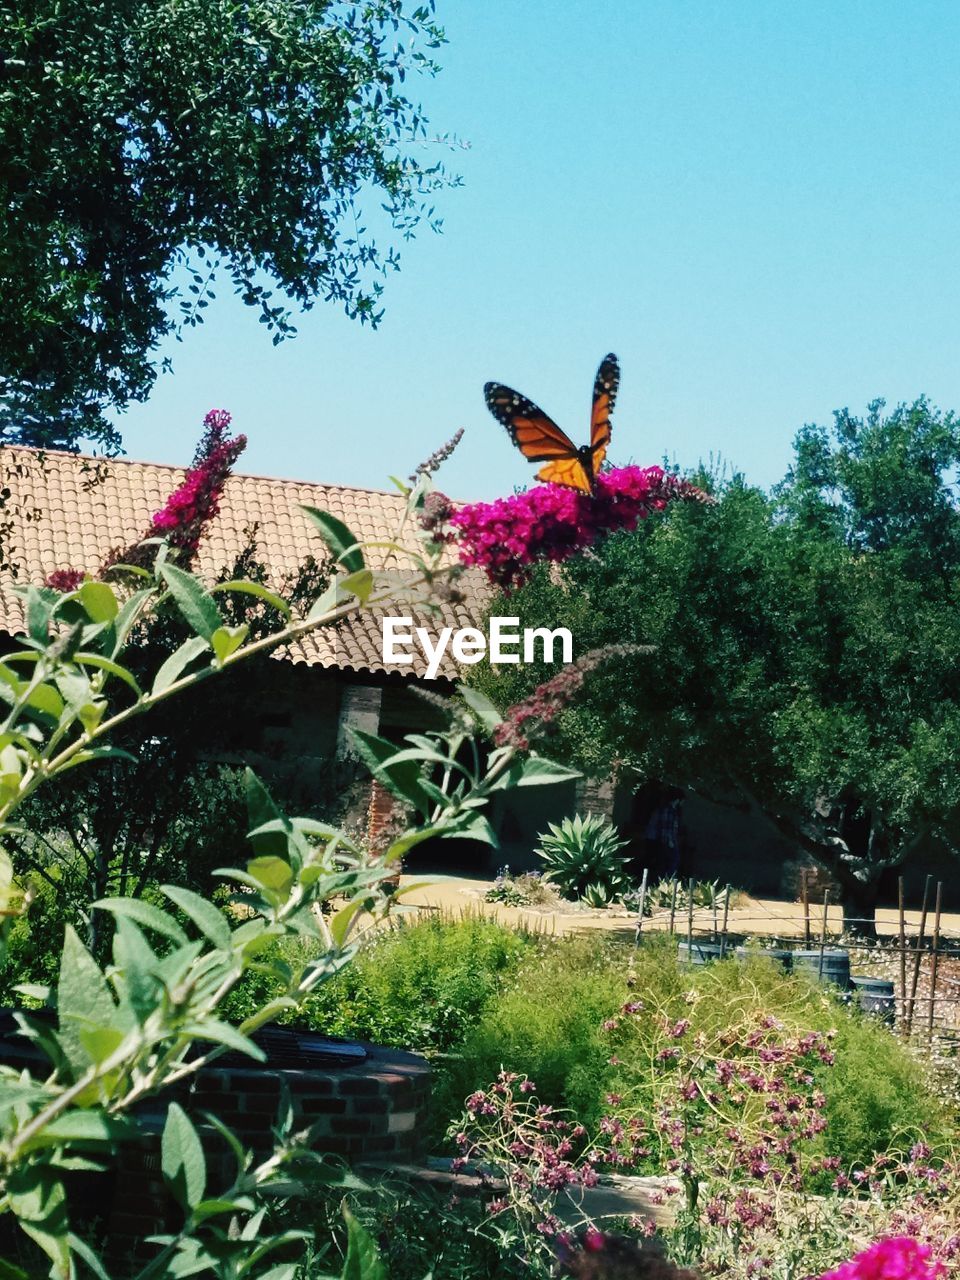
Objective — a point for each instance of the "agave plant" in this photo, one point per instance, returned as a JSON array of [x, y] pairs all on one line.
[[598, 895], [583, 859]]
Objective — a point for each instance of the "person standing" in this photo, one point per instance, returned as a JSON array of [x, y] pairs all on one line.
[[662, 837]]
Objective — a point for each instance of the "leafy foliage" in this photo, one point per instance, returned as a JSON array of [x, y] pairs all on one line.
[[419, 985], [149, 149]]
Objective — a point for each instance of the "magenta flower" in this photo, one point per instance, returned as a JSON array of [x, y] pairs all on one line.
[[897, 1258], [64, 580], [552, 523], [187, 512], [196, 502]]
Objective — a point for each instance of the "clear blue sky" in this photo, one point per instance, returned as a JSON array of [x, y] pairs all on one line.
[[753, 203]]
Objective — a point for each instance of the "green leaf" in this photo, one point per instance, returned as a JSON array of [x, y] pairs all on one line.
[[342, 543], [114, 668], [84, 1252], [409, 840], [538, 772], [136, 965], [402, 780], [101, 1042], [471, 826], [37, 1198], [38, 615], [227, 640], [481, 706], [99, 601], [181, 1158], [144, 913], [98, 753], [9, 1272], [341, 920], [254, 589], [222, 1033], [269, 829], [15, 1090], [363, 1260], [178, 661], [326, 602], [127, 617], [358, 584], [84, 1001], [204, 914], [198, 607], [82, 1129], [272, 873]]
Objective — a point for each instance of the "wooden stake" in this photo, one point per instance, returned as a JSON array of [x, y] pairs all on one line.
[[934, 960], [713, 904], [917, 955], [823, 931], [673, 905], [643, 903], [805, 894], [903, 959], [690, 920], [726, 916]]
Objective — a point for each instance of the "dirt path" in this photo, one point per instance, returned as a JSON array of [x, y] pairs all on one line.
[[763, 917]]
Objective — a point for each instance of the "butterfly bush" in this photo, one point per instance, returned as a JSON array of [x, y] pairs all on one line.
[[552, 523], [192, 506], [186, 514]]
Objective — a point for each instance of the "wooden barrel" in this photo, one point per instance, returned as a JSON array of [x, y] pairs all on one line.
[[876, 997], [832, 966]]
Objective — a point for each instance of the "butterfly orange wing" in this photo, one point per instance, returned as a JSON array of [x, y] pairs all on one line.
[[534, 432], [605, 389], [567, 471], [537, 436]]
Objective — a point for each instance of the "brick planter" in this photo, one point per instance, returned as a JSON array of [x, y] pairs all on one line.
[[367, 1111], [372, 1109]]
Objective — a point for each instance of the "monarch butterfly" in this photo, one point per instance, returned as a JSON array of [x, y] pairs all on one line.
[[539, 438]]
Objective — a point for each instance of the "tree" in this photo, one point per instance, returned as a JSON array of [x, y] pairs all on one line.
[[806, 647], [143, 147]]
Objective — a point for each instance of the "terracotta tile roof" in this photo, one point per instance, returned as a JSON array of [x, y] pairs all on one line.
[[71, 511]]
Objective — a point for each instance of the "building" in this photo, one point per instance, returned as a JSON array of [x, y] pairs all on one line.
[[67, 510]]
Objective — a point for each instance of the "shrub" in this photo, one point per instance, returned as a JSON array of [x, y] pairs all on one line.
[[878, 1095], [547, 1024], [529, 889], [419, 985], [582, 856], [422, 985]]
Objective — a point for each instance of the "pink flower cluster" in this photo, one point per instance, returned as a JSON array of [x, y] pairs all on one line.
[[552, 523], [65, 580], [897, 1258], [533, 716], [538, 1151], [186, 513], [196, 502]]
